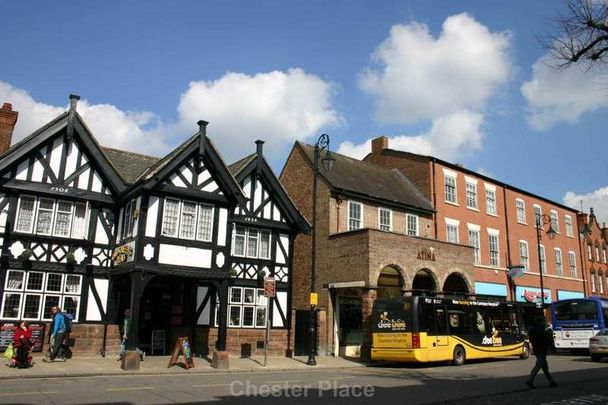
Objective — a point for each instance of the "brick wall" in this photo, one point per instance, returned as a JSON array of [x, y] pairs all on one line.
[[242, 342], [8, 119]]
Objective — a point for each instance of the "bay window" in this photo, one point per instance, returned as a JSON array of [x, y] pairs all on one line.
[[187, 220], [49, 217]]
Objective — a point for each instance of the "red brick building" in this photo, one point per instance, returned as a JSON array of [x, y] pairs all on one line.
[[499, 222], [375, 238], [595, 263]]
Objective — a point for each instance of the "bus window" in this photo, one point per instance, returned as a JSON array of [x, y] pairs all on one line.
[[440, 321], [456, 322], [575, 311]]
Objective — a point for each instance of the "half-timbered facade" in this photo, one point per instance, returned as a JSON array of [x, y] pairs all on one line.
[[181, 240]]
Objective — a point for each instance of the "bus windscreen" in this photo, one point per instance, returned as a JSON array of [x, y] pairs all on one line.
[[576, 311]]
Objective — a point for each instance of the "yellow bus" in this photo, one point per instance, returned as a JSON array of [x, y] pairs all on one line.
[[426, 329]]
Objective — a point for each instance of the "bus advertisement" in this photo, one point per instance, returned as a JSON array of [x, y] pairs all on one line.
[[574, 321], [426, 329]]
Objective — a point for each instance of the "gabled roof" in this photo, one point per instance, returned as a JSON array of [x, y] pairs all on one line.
[[368, 180], [50, 130], [164, 166], [249, 164]]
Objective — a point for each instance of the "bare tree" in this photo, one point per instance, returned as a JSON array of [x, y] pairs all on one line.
[[580, 35]]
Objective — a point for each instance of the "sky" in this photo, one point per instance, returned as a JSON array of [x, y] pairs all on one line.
[[465, 81]]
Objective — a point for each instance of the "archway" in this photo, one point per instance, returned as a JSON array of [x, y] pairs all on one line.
[[390, 284], [424, 283], [456, 284]]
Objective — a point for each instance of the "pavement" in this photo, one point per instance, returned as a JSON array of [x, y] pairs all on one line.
[[158, 365]]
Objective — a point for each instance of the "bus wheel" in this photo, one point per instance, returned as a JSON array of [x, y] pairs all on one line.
[[459, 356], [525, 352]]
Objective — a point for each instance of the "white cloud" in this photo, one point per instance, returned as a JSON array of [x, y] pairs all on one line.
[[421, 77], [450, 137], [598, 200], [555, 96], [277, 107], [110, 126]]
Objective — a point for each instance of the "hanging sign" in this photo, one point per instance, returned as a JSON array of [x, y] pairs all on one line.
[[516, 271], [270, 287]]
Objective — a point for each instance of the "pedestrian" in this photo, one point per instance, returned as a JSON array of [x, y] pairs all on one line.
[[22, 341], [540, 337], [57, 335], [126, 329]]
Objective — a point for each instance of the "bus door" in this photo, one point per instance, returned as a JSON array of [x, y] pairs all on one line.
[[441, 326]]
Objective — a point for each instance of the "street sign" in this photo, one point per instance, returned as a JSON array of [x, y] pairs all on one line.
[[314, 299], [516, 271], [270, 287]]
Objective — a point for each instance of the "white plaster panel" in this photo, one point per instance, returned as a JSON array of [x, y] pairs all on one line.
[[222, 227], [186, 173], [56, 156], [204, 318], [247, 187], [37, 171], [100, 234], [257, 198], [136, 220], [285, 243], [83, 179], [97, 183], [211, 187], [72, 157], [203, 177], [152, 217], [22, 171], [93, 313], [281, 298], [268, 211], [176, 181], [276, 214], [184, 256]]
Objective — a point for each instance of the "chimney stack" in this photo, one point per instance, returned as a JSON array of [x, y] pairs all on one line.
[[8, 119], [380, 143]]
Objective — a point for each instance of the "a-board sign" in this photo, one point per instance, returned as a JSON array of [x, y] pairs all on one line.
[[182, 346], [7, 332]]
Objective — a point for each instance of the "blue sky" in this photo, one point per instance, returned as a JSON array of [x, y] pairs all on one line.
[[461, 80]]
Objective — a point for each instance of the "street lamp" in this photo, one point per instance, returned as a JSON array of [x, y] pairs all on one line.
[[543, 219], [327, 161]]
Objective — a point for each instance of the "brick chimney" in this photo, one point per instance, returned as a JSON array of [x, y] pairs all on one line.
[[8, 119], [379, 143]]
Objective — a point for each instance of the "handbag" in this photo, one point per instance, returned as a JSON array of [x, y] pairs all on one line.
[[9, 352]]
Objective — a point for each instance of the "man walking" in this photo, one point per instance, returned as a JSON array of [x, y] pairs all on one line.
[[540, 338], [57, 334]]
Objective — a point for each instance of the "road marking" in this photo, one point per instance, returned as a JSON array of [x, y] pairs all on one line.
[[129, 389], [211, 385], [28, 393]]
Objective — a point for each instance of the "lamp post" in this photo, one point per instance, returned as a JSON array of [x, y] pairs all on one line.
[[542, 219], [328, 163]]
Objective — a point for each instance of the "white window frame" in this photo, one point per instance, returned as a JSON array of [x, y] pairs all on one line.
[[593, 282], [494, 254], [543, 260], [471, 193], [559, 264], [554, 220], [450, 191], [569, 228], [204, 231], [597, 253], [388, 227], [23, 291], [604, 254], [538, 212], [524, 255], [38, 211], [33, 218], [351, 219], [520, 208], [246, 236], [415, 220], [199, 234], [590, 252], [600, 276], [260, 303], [454, 226], [572, 264], [475, 241], [491, 201]]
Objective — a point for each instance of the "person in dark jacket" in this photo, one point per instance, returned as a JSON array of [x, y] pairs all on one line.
[[540, 337]]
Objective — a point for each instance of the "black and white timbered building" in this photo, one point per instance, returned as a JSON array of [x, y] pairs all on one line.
[[183, 241]]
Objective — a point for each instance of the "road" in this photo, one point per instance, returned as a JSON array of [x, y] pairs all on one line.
[[492, 382]]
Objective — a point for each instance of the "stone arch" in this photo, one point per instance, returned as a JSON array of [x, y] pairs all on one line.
[[390, 282], [424, 282], [456, 282]]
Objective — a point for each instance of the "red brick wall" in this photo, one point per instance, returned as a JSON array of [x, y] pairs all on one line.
[[239, 341], [595, 237], [8, 119]]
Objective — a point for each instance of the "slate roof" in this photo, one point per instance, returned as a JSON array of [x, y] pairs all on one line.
[[239, 165], [370, 180], [129, 165]]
